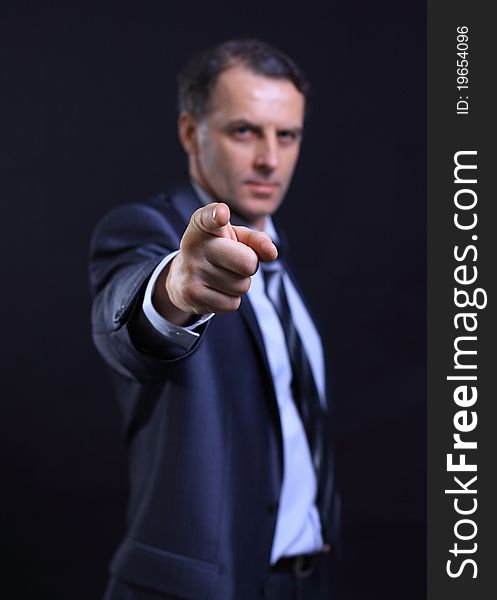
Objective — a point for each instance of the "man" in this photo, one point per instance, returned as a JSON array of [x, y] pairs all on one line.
[[216, 362]]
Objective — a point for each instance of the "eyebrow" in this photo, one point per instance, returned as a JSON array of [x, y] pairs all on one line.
[[258, 129]]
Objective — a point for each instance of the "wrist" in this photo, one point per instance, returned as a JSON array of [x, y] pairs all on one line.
[[164, 300]]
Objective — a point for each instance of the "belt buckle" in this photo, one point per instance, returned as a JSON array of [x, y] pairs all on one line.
[[303, 566]]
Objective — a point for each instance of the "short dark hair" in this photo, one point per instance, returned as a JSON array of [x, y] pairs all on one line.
[[198, 77]]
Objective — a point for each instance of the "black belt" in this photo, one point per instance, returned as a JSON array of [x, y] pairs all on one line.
[[300, 566]]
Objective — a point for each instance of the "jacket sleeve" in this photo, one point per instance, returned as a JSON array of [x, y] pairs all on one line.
[[126, 247]]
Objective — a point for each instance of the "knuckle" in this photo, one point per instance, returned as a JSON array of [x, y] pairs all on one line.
[[236, 303], [232, 303], [244, 285], [197, 221], [187, 241], [250, 265], [228, 304], [197, 215]]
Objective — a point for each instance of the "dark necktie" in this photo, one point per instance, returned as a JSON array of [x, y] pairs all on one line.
[[304, 388]]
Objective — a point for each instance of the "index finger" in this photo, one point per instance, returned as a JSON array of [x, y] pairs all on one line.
[[213, 219]]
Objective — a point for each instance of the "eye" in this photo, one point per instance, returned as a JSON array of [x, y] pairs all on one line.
[[287, 137], [242, 133]]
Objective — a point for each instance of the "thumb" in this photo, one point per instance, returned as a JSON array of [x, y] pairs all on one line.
[[214, 219], [259, 241]]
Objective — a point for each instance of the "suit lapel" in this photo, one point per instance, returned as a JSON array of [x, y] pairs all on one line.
[[248, 315]]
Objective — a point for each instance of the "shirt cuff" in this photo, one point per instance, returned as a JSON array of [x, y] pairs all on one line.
[[183, 336]]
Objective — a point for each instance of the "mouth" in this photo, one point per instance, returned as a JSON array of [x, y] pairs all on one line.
[[262, 187]]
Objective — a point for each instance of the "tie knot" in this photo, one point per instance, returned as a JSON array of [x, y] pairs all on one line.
[[273, 273]]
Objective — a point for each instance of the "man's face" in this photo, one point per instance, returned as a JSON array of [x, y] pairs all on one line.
[[244, 151]]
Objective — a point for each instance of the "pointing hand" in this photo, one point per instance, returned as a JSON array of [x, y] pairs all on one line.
[[212, 270]]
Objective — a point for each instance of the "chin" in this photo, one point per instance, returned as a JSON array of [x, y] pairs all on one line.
[[254, 207]]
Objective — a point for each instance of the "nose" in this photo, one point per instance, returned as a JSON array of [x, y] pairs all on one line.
[[266, 156]]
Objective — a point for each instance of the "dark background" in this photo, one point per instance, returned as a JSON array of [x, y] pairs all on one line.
[[88, 122]]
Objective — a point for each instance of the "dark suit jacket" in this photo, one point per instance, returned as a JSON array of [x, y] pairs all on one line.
[[202, 427]]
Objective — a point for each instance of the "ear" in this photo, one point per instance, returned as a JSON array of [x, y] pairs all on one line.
[[187, 132]]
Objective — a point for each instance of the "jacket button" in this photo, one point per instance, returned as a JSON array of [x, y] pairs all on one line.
[[119, 313], [272, 507]]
